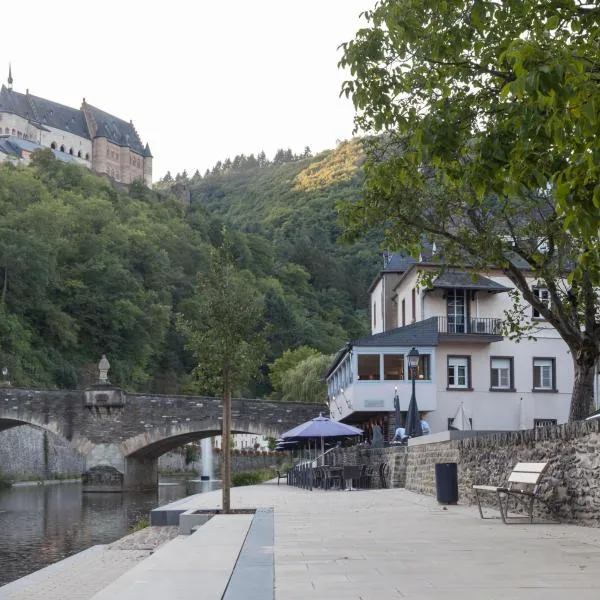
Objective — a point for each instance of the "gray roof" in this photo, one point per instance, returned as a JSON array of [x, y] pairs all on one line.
[[147, 151], [116, 130], [468, 281], [422, 333], [42, 111], [15, 146]]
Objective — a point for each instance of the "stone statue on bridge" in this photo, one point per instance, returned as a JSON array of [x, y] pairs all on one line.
[[103, 367]]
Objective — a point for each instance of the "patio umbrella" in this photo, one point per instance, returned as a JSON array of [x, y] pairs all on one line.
[[321, 428], [461, 421], [413, 421]]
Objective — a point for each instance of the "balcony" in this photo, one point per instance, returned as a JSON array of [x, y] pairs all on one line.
[[476, 329]]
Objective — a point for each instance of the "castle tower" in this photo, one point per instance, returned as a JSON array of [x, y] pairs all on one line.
[[148, 166]]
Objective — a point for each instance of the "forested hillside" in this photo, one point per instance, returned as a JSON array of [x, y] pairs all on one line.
[[86, 269]]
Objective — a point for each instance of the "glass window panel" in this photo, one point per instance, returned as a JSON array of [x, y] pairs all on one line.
[[368, 367], [393, 366], [424, 368], [542, 373]]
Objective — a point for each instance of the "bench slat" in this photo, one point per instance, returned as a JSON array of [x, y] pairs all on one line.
[[530, 467], [516, 477], [485, 488]]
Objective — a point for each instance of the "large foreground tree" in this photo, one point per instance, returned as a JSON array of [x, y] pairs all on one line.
[[488, 113], [223, 324]]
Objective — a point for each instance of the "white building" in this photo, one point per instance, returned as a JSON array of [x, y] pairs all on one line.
[[456, 326], [244, 441]]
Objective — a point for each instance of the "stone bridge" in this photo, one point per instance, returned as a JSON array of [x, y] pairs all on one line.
[[122, 435]]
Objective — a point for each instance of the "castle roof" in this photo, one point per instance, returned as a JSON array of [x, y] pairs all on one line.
[[116, 130], [147, 151], [43, 112]]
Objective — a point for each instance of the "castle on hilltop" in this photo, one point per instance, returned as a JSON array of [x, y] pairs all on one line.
[[87, 136]]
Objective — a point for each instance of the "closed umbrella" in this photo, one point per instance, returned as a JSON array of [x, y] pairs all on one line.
[[413, 420], [397, 408]]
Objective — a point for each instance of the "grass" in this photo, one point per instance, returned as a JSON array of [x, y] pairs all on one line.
[[252, 477], [140, 524]]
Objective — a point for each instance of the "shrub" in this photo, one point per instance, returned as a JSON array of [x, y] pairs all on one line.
[[252, 477]]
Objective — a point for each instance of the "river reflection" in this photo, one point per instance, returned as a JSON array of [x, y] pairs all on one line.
[[40, 525]]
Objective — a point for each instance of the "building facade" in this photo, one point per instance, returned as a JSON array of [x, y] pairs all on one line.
[[466, 365], [86, 136]]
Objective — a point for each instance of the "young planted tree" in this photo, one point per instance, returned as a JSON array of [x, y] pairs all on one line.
[[489, 113], [223, 325]]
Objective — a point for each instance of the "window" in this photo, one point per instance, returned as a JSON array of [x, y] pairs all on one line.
[[403, 312], [62, 148], [79, 154], [368, 367], [374, 315], [393, 366], [457, 311], [414, 305], [538, 423], [501, 373], [71, 151], [459, 372], [424, 367], [53, 145], [543, 296], [544, 374], [87, 156]]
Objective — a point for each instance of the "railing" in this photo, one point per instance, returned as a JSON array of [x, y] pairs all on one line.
[[472, 326]]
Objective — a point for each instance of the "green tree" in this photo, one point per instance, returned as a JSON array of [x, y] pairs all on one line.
[[222, 323], [487, 110], [502, 96], [288, 360], [305, 382]]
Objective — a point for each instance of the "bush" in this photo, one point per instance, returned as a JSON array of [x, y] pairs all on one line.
[[252, 477]]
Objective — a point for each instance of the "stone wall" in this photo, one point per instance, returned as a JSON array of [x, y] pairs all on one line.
[[24, 453], [394, 457], [570, 488], [175, 461]]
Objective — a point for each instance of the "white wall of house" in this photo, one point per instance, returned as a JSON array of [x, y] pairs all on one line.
[[516, 408], [377, 307], [407, 291]]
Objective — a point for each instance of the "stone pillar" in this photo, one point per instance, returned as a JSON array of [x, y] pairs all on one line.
[[141, 474], [148, 171]]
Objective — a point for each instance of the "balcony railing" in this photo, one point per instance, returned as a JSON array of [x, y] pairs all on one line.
[[472, 326]]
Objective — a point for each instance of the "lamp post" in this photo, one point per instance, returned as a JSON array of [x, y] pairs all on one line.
[[413, 422], [413, 363]]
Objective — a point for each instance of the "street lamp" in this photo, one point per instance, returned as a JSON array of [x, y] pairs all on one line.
[[413, 363]]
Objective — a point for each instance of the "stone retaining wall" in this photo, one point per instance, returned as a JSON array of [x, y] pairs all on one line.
[[570, 488], [175, 462], [30, 452]]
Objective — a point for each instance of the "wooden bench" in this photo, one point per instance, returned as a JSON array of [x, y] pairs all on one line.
[[523, 486]]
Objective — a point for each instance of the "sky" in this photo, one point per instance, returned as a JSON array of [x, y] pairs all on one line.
[[202, 81]]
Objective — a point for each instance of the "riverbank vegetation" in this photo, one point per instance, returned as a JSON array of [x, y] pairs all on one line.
[[87, 269], [252, 477]]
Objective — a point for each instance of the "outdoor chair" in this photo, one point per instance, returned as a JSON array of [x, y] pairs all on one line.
[[351, 473], [523, 487], [367, 476], [282, 475], [333, 477]]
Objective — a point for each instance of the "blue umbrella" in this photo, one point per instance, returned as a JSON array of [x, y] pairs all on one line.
[[321, 427]]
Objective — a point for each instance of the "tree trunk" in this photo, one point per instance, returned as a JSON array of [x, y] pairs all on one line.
[[226, 453], [584, 369]]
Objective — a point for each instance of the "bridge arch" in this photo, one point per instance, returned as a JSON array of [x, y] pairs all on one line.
[[157, 441]]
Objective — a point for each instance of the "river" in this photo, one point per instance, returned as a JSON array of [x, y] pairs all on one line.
[[42, 524]]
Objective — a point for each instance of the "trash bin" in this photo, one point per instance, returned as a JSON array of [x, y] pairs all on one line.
[[446, 483]]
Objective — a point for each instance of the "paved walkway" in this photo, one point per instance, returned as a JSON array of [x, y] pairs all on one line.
[[391, 544]]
